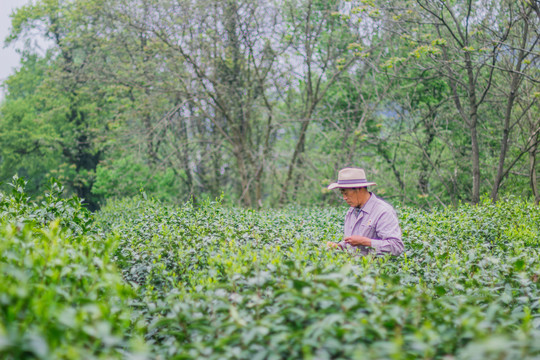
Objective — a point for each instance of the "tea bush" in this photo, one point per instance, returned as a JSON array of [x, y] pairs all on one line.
[[215, 282], [220, 283], [61, 297]]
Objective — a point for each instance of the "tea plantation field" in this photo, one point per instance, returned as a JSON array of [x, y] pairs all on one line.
[[144, 280]]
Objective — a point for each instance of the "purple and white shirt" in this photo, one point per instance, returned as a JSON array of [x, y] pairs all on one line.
[[378, 221]]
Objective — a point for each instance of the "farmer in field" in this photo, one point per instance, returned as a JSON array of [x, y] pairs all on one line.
[[371, 225]]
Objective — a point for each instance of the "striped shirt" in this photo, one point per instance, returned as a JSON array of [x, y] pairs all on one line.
[[378, 221]]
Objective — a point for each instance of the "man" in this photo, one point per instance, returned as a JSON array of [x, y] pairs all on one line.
[[371, 225]]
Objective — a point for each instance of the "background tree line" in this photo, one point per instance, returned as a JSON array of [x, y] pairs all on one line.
[[265, 100]]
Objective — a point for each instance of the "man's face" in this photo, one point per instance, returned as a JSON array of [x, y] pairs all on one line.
[[351, 196]]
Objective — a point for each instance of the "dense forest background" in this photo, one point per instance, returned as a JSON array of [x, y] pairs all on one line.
[[263, 101]]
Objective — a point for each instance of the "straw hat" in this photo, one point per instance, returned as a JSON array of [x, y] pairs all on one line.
[[351, 178]]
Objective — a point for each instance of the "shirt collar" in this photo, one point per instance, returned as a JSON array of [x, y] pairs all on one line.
[[368, 206]]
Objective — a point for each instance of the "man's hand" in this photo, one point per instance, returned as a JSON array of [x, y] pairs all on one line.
[[332, 245], [357, 240]]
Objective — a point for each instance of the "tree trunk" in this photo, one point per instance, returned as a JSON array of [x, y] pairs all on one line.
[[185, 158], [260, 170], [245, 181], [532, 174], [504, 148], [516, 76], [392, 165], [423, 179], [297, 151], [473, 124]]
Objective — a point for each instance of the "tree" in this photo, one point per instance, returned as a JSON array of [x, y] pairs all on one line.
[[27, 144], [71, 105], [217, 59], [472, 44], [324, 48]]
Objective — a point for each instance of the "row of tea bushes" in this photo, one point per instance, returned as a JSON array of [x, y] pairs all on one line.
[[220, 283], [217, 283], [61, 296]]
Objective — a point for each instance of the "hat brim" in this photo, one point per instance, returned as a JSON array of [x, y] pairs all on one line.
[[349, 186]]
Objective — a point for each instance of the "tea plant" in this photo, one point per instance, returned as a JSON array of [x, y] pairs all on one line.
[[222, 283], [218, 283], [60, 295]]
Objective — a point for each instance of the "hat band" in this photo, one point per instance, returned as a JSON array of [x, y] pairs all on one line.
[[345, 182]]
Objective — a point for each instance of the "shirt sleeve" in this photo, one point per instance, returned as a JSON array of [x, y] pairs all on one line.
[[388, 235]]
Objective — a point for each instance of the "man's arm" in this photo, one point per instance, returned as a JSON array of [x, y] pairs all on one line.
[[389, 234]]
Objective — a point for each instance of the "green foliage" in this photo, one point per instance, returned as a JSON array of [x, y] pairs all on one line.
[[56, 120], [48, 132], [60, 294], [70, 213], [213, 94], [28, 143], [126, 176], [217, 283]]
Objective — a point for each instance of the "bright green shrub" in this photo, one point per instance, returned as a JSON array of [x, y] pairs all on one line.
[[222, 283], [212, 282], [60, 295]]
